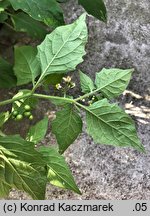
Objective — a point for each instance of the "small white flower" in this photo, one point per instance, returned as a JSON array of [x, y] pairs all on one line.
[[58, 86]]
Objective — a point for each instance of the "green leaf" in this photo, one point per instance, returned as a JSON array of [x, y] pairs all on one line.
[[87, 84], [4, 116], [58, 172], [4, 189], [3, 17], [60, 101], [2, 134], [7, 77], [38, 131], [24, 23], [2, 168], [112, 82], [66, 127], [96, 8], [26, 66], [53, 79], [4, 4], [24, 168], [109, 124], [62, 50], [47, 11], [62, 1]]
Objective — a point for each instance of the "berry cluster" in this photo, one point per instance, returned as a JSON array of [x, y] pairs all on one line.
[[27, 113]]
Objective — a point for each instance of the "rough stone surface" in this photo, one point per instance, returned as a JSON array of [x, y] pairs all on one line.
[[123, 42], [104, 172]]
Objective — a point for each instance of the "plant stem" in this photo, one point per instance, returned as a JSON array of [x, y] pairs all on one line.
[[48, 97], [35, 87], [6, 12], [9, 26], [80, 105], [2, 103], [87, 95]]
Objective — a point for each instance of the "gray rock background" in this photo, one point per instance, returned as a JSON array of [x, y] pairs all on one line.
[[105, 172], [123, 42]]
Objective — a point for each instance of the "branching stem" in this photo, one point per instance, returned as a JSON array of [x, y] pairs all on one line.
[[48, 97], [42, 96], [87, 95]]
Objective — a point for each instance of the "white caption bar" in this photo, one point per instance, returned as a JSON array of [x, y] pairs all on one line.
[[75, 207]]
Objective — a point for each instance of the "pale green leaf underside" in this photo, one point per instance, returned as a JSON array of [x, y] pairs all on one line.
[[112, 82], [38, 131], [26, 65], [47, 11], [109, 124], [63, 49], [22, 166], [66, 127], [59, 173], [86, 82]]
